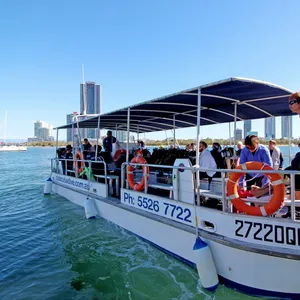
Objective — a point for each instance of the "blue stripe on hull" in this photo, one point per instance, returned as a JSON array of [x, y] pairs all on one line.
[[237, 286]]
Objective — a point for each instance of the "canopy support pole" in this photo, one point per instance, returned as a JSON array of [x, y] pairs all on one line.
[[128, 128], [234, 128], [73, 149], [98, 131], [174, 134], [138, 133], [197, 146], [229, 134], [116, 131], [56, 141], [78, 130], [289, 137]]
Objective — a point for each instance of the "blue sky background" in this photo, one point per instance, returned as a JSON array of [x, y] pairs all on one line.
[[138, 50]]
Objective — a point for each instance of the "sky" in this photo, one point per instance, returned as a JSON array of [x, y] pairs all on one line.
[[137, 51]]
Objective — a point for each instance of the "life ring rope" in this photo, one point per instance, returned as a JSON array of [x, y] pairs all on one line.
[[269, 208], [137, 186]]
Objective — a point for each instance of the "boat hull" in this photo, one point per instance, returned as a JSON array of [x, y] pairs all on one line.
[[248, 270]]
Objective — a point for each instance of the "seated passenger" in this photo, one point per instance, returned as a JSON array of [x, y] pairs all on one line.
[[219, 159], [295, 166], [206, 161], [253, 151], [141, 145]]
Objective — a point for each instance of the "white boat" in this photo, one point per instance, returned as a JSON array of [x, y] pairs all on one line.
[[6, 148], [10, 147], [258, 255]]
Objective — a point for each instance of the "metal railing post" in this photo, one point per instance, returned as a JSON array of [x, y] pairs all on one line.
[[293, 217]]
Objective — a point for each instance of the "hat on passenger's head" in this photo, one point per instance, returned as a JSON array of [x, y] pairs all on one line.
[[109, 132], [69, 147]]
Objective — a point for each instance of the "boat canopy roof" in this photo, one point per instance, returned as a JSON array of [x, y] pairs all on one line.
[[255, 99]]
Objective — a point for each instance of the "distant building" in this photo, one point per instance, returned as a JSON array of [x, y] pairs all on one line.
[[238, 134], [247, 127], [285, 121], [90, 103], [270, 128], [43, 131], [69, 131], [121, 136], [253, 133]]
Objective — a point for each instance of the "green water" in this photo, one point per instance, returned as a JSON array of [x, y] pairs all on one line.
[[48, 250]]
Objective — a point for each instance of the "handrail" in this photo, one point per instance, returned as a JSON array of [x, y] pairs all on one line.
[[84, 161], [193, 169]]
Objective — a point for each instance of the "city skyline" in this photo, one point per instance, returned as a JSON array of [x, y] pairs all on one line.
[[137, 59]]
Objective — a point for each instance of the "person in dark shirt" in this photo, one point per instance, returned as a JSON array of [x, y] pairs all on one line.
[[219, 159], [294, 104], [108, 141], [87, 148], [69, 163]]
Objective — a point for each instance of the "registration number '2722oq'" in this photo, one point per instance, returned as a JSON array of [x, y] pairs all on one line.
[[269, 233]]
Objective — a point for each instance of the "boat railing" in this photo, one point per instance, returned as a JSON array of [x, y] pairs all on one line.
[[224, 178], [160, 176], [57, 167], [221, 182]]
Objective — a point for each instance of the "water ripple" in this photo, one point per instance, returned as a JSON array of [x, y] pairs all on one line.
[[49, 250]]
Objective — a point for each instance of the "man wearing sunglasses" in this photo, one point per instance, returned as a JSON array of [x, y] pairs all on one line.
[[254, 151], [294, 103]]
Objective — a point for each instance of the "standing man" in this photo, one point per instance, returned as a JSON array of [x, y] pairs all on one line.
[[276, 155], [108, 141], [206, 161]]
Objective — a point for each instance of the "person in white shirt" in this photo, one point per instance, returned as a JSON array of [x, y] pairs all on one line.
[[275, 155], [206, 161]]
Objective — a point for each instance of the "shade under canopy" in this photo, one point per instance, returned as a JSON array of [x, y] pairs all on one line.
[[255, 99]]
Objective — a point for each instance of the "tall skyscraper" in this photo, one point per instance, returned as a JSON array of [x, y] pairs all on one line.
[[90, 103], [270, 128], [284, 127], [247, 127], [238, 134], [69, 131]]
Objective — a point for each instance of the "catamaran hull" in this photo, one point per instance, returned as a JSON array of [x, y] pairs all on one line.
[[248, 271]]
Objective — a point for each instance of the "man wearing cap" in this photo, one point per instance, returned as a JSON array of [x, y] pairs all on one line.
[[108, 141]]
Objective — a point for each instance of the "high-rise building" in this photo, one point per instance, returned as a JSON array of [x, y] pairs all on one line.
[[90, 103], [270, 128], [247, 127], [69, 131], [43, 131], [238, 134], [285, 121]]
